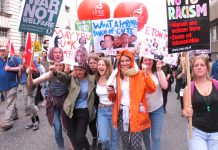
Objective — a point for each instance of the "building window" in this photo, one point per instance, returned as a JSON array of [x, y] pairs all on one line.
[[216, 32], [3, 32], [213, 34], [23, 38], [67, 9], [40, 39], [2, 5]]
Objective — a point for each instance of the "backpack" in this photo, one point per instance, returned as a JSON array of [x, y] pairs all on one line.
[[214, 82]]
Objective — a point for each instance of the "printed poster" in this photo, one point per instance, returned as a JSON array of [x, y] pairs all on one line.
[[111, 35], [188, 25], [40, 17]]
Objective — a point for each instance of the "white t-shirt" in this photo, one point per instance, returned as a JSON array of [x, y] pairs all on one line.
[[125, 99], [103, 95], [155, 100]]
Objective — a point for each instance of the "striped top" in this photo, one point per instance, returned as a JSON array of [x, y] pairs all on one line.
[[57, 88]]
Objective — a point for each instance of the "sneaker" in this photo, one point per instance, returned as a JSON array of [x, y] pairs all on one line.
[[43, 103], [165, 111], [6, 127], [35, 126], [16, 117], [27, 114], [29, 126]]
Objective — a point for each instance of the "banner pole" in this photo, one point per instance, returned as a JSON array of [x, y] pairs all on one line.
[[188, 75], [34, 47]]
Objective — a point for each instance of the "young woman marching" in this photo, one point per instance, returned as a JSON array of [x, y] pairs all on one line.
[[155, 103], [57, 92], [108, 135], [204, 106], [79, 104], [130, 110]]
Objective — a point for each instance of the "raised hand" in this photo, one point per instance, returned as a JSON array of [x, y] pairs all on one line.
[[52, 68], [29, 70], [159, 65]]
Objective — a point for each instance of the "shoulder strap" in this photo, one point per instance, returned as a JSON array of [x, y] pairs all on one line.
[[215, 83], [192, 88]]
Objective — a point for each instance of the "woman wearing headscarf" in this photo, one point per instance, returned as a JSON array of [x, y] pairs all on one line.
[[130, 110]]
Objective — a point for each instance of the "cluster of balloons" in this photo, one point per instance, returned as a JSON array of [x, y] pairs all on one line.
[[100, 10]]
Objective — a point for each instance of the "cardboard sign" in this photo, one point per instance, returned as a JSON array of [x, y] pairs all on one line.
[[154, 45], [111, 35], [40, 16], [188, 25], [67, 43]]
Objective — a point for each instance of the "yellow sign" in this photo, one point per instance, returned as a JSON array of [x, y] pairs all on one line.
[[37, 47]]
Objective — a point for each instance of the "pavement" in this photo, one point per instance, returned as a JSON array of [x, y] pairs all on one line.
[[18, 138]]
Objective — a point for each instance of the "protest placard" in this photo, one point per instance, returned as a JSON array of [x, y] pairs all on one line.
[[154, 43], [111, 35], [85, 26], [65, 45], [39, 17], [188, 25]]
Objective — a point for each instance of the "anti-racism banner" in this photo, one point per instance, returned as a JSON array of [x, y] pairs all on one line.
[[188, 25], [39, 16], [154, 45], [69, 46], [111, 35]]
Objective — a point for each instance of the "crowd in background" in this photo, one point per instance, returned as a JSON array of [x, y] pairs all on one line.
[[99, 93]]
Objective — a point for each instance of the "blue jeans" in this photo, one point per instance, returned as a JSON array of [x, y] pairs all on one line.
[[156, 128], [202, 140], [105, 126], [58, 128]]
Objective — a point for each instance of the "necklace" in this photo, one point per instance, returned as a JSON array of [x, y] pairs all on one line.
[[207, 103]]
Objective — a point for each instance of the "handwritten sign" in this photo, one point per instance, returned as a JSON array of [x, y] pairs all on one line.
[[69, 42], [154, 45]]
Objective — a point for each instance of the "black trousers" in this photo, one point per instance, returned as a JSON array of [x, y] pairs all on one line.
[[93, 127], [165, 93], [77, 128], [39, 97]]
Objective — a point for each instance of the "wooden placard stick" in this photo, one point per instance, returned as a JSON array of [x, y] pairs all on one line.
[[34, 47], [188, 94]]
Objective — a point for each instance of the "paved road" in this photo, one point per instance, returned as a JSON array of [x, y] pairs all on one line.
[[18, 138]]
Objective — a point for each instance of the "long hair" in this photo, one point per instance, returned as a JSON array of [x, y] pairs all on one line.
[[94, 57], [128, 54], [153, 68], [109, 68], [50, 54], [205, 59], [83, 51]]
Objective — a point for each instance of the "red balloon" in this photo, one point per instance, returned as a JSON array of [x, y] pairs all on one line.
[[132, 9], [92, 10]]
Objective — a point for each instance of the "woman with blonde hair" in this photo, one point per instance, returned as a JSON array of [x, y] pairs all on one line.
[[56, 54], [204, 106], [108, 135]]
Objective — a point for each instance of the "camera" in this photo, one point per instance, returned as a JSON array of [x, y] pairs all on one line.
[[159, 57]]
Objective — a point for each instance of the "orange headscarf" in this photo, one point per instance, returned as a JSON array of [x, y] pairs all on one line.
[[128, 54]]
